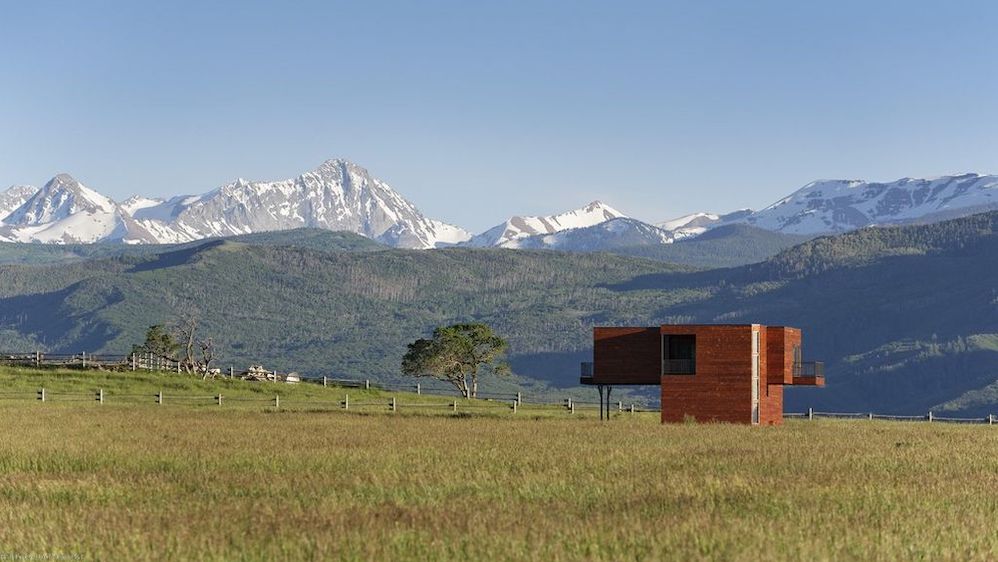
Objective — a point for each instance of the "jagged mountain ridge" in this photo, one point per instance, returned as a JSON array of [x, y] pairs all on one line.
[[339, 195]]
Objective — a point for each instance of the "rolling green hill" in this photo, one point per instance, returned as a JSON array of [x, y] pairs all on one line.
[[905, 317]]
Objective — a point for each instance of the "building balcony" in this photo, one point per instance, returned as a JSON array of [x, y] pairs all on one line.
[[809, 373], [586, 372]]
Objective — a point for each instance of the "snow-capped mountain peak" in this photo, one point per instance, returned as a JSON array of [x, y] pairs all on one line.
[[61, 197], [518, 227], [66, 211], [337, 195]]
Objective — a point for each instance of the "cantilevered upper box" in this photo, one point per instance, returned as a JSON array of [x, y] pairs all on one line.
[[708, 372]]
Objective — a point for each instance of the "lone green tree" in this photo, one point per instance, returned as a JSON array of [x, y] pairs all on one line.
[[458, 354]]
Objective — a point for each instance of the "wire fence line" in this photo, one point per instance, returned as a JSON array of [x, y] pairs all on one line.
[[811, 414], [454, 405], [391, 403], [151, 362]]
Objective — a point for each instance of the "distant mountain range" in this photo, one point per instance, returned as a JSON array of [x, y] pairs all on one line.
[[341, 196]]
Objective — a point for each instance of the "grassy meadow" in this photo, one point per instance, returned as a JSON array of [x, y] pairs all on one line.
[[136, 481]]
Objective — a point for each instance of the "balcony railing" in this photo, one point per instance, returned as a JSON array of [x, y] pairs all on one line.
[[679, 367], [809, 369]]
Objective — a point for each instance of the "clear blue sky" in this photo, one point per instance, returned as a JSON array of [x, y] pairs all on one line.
[[478, 110]]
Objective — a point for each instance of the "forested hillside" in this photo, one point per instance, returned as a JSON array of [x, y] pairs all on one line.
[[905, 317]]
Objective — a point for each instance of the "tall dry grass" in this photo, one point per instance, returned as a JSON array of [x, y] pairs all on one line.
[[140, 482]]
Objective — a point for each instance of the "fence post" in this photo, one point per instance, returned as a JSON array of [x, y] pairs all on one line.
[[393, 403], [418, 389], [514, 406], [277, 401], [38, 359], [632, 408], [134, 361], [100, 396], [41, 394], [84, 355], [572, 407], [454, 405], [620, 406], [178, 367], [346, 401], [810, 414], [871, 416], [219, 399], [275, 376], [519, 399], [367, 384], [159, 397], [231, 373], [930, 416], [991, 419], [325, 381]]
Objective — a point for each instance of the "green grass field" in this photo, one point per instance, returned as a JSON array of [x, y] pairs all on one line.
[[137, 481]]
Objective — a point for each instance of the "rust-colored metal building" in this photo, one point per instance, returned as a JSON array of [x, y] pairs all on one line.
[[708, 372]]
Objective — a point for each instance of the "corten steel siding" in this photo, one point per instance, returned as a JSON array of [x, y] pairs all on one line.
[[771, 405], [770, 395], [721, 388], [780, 353], [627, 356]]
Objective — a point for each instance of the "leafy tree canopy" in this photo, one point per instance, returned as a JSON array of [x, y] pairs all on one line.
[[458, 354]]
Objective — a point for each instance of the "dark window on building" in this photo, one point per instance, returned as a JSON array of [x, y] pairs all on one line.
[[679, 355]]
